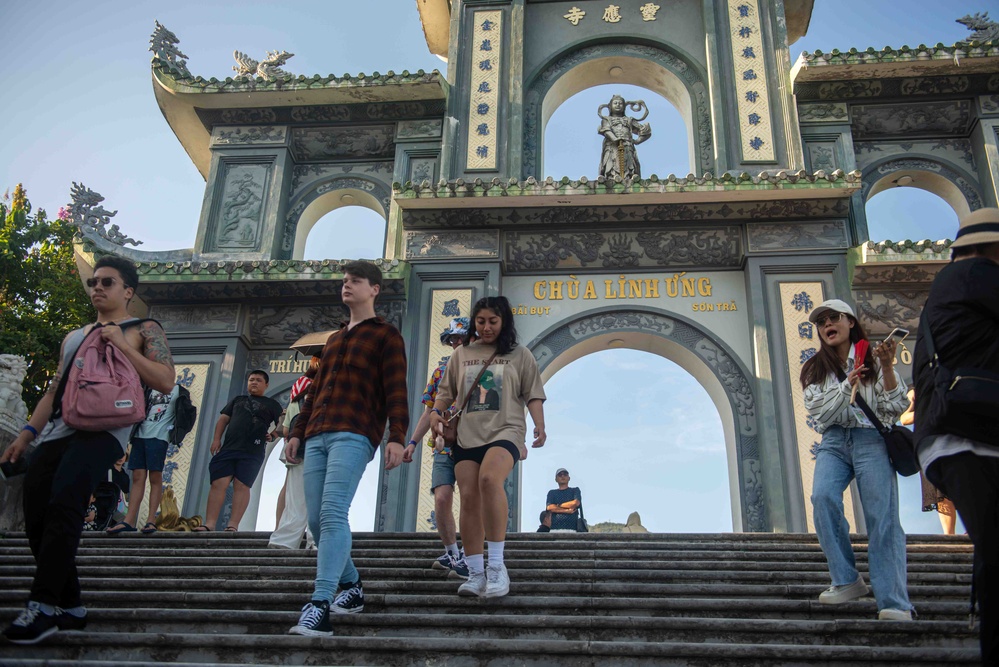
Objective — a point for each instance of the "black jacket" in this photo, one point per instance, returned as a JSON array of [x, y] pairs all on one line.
[[963, 314]]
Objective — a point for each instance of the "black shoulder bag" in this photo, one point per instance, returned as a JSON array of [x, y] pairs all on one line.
[[965, 401], [581, 526], [899, 441]]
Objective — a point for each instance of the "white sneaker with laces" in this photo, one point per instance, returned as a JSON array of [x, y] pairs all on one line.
[[497, 581], [476, 585], [845, 593], [894, 615]]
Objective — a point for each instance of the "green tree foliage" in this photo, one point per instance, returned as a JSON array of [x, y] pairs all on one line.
[[41, 295]]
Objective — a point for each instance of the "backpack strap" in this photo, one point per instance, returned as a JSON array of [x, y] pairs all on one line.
[[864, 407], [61, 389]]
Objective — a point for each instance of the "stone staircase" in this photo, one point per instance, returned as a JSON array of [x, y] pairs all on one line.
[[598, 599]]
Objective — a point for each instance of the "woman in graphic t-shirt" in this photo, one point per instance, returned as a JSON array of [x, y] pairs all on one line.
[[491, 434]]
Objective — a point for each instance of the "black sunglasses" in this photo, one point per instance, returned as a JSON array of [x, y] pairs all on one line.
[[105, 282]]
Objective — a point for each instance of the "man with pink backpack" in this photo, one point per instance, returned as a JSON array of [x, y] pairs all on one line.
[[82, 425]]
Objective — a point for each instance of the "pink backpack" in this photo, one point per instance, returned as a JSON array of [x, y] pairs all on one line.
[[102, 389]]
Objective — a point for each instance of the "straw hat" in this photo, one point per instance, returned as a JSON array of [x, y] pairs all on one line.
[[981, 226]]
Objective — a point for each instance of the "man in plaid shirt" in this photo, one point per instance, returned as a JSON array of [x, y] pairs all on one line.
[[360, 384]]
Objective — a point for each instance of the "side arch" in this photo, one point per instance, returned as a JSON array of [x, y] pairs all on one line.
[[947, 181], [710, 362], [652, 67], [326, 195]]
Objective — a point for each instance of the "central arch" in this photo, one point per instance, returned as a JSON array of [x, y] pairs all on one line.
[[697, 352], [650, 67]]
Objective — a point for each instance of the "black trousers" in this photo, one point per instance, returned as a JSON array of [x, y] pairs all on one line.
[[972, 482], [57, 486]]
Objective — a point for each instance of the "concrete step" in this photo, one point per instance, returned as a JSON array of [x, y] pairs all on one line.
[[270, 649], [613, 600], [547, 627]]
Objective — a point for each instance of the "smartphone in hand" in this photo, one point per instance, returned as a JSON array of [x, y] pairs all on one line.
[[898, 334]]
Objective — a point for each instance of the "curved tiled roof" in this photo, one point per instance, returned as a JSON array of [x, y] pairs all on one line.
[[290, 82], [904, 54]]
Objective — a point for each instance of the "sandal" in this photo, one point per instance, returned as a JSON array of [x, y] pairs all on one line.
[[120, 527], [149, 528], [202, 529], [230, 529]]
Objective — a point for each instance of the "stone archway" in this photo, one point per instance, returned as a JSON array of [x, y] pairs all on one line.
[[696, 351], [946, 181], [323, 196], [654, 68]]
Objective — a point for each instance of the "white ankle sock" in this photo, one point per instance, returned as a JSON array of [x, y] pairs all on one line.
[[476, 564], [495, 550], [452, 549]]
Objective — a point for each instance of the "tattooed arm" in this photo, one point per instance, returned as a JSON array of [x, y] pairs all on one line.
[[153, 360]]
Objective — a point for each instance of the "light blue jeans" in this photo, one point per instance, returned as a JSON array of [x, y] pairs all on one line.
[[334, 463], [846, 453]]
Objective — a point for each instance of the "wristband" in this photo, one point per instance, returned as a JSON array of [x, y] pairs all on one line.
[[412, 442], [29, 427], [437, 411]]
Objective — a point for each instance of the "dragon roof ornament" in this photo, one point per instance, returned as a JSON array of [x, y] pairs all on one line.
[[163, 43], [982, 28], [87, 214], [268, 69]]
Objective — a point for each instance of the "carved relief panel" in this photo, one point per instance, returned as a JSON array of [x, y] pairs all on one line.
[[239, 211]]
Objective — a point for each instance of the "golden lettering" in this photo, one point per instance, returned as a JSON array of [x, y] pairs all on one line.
[[590, 292], [539, 290], [608, 290], [651, 288], [555, 290], [634, 289]]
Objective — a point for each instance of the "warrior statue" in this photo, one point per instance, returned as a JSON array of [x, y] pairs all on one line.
[[618, 158]]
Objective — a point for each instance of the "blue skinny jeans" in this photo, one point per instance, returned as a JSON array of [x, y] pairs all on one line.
[[334, 463]]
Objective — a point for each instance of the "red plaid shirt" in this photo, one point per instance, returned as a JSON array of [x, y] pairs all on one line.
[[361, 383]]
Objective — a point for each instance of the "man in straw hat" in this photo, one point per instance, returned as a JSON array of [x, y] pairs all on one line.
[[962, 313]]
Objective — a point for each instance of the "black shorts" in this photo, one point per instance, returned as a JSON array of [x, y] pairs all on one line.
[[477, 454], [244, 466]]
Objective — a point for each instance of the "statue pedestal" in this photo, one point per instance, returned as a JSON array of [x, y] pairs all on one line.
[[11, 506]]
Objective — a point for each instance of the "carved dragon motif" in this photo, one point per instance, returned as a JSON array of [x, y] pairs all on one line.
[[267, 69]]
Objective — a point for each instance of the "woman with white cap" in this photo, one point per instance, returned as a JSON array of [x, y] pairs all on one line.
[[834, 380]]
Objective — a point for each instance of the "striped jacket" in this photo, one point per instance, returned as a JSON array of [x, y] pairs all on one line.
[[829, 403]]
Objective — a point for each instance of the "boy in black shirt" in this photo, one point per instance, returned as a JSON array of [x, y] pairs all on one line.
[[247, 422]]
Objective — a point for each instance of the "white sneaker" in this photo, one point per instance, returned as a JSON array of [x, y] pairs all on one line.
[[497, 581], [894, 615], [476, 585], [845, 593]]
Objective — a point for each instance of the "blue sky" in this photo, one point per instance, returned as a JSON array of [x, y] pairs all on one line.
[[79, 107]]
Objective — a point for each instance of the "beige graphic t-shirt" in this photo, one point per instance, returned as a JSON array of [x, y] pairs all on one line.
[[496, 409]]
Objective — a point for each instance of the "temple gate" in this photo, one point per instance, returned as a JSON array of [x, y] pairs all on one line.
[[716, 269]]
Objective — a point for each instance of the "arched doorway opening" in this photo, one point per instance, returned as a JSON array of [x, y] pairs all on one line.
[[671, 75], [708, 361], [637, 433], [353, 214], [909, 213], [350, 232], [572, 144]]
